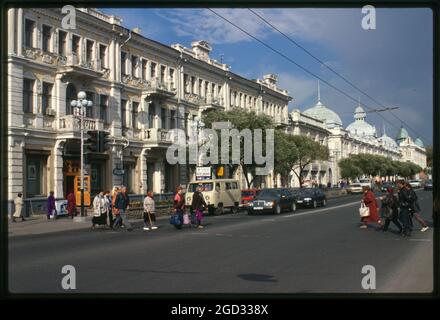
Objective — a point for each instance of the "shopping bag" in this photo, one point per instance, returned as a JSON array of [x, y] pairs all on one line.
[[364, 211], [186, 219], [175, 220]]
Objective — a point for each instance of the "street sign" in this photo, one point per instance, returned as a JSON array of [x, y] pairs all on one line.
[[203, 173]]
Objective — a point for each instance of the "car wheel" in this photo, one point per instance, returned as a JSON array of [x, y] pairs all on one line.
[[315, 204], [250, 212], [234, 209], [220, 209], [324, 202], [293, 207], [277, 209]]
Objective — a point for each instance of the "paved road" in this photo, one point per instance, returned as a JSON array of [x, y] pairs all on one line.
[[312, 250]]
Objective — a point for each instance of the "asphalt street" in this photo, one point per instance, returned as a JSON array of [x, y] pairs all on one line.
[[310, 251]]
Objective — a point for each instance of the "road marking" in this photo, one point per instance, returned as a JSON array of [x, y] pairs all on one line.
[[321, 210], [200, 233], [421, 240], [268, 220]]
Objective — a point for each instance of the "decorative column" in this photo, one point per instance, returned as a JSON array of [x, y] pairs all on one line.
[[16, 165], [20, 32], [142, 163], [11, 31], [57, 175]]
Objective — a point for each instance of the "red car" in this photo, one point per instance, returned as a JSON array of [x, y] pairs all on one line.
[[247, 196]]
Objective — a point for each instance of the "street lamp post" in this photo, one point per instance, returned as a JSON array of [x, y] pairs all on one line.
[[80, 106]]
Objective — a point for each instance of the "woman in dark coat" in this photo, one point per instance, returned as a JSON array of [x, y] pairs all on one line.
[[198, 204], [370, 201], [390, 210], [51, 205]]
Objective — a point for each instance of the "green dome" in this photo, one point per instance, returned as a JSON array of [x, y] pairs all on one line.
[[403, 134], [419, 142]]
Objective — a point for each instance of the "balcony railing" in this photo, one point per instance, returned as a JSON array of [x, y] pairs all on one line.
[[71, 123]]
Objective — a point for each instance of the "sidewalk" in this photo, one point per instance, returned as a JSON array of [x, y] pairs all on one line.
[[40, 225]]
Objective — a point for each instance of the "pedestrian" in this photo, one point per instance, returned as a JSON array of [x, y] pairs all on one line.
[[390, 210], [71, 204], [329, 185], [179, 205], [198, 205], [108, 207], [115, 211], [369, 200], [414, 207], [51, 209], [18, 208], [122, 204], [99, 210], [404, 206], [149, 211]]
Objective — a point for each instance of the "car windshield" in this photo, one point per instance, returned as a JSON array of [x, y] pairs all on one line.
[[364, 181], [268, 194], [428, 181], [206, 186], [355, 185], [247, 193]]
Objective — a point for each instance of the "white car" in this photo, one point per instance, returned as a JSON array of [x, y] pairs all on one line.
[[415, 183], [365, 182], [354, 188]]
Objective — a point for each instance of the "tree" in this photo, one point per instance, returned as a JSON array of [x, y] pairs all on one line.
[[349, 169], [429, 156], [286, 153], [308, 151], [241, 119]]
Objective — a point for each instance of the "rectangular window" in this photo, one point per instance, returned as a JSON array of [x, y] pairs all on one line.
[[89, 51], [134, 61], [46, 97], [134, 114], [28, 95], [103, 105], [173, 119], [123, 63], [34, 176], [47, 36], [186, 83], [163, 116], [151, 115], [193, 84], [162, 73], [171, 77], [89, 110], [153, 70], [103, 55], [29, 27], [144, 69], [123, 113], [75, 44], [62, 40], [200, 87]]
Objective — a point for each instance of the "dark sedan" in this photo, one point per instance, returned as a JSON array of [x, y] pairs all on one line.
[[273, 201], [386, 185], [428, 185], [311, 198]]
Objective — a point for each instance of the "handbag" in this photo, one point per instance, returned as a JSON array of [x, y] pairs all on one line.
[[364, 211], [175, 220]]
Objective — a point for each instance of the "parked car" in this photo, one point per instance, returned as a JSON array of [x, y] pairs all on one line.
[[311, 198], [354, 188], [415, 183], [428, 185], [247, 196], [273, 201], [365, 182], [219, 194], [387, 185]]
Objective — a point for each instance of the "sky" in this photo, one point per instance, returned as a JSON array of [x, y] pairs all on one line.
[[392, 64]]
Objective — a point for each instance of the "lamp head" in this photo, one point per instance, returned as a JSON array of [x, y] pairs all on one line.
[[84, 103], [82, 95], [89, 103], [73, 103]]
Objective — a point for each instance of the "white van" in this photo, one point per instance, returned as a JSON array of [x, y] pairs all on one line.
[[219, 194]]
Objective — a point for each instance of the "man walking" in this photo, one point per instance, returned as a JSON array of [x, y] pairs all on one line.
[[51, 209], [404, 205], [121, 204]]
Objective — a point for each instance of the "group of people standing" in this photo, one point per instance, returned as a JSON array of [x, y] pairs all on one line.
[[398, 209]]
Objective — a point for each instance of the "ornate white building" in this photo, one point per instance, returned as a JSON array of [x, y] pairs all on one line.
[[140, 90], [325, 126]]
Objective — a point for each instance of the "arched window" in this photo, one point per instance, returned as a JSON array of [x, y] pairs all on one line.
[[70, 95]]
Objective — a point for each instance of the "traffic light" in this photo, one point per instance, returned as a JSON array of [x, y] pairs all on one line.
[[92, 144], [105, 141]]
